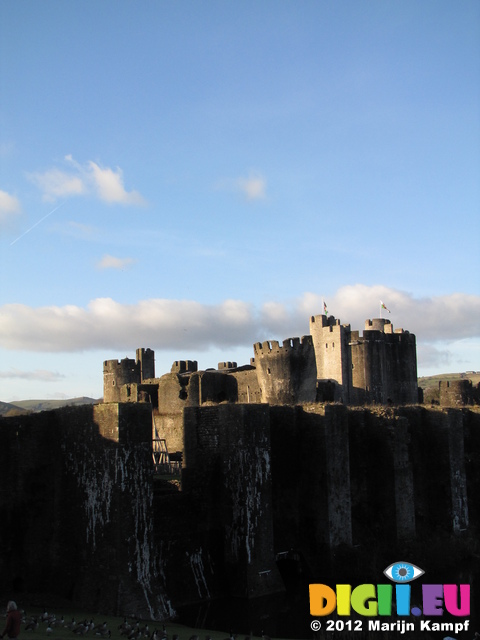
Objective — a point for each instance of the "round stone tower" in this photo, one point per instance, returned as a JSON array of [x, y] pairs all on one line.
[[286, 374], [455, 393], [390, 363], [378, 324], [117, 373], [375, 361]]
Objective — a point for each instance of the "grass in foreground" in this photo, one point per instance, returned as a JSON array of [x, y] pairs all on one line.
[[58, 626]]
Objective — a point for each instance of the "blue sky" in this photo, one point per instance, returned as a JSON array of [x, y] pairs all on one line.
[[196, 176]]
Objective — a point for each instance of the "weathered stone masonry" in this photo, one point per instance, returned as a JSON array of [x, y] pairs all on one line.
[[270, 471], [333, 363], [76, 504], [346, 489]]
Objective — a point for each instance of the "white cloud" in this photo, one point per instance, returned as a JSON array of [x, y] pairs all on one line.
[[106, 324], [253, 187], [9, 209], [188, 325], [109, 186], [58, 184], [79, 180], [431, 319], [38, 374], [111, 262]]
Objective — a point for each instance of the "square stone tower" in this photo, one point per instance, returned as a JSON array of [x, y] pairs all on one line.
[[332, 354]]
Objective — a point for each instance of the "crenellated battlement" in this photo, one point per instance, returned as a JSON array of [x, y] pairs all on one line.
[[273, 347], [286, 372], [121, 367], [321, 325], [378, 367], [184, 366], [226, 365], [385, 327], [379, 324], [324, 321], [116, 374]]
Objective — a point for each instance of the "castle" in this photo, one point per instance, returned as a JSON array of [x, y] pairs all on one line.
[[312, 463], [332, 364]]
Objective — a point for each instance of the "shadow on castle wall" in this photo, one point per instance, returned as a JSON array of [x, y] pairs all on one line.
[[338, 492]]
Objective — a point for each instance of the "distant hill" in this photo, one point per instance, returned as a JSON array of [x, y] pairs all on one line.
[[9, 409], [429, 384], [34, 406]]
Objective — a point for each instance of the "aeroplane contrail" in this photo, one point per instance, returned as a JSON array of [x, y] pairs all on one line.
[[38, 222]]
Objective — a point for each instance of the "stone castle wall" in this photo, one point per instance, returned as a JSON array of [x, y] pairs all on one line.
[[248, 389], [146, 360], [176, 392], [75, 508], [458, 393], [380, 367], [121, 376], [117, 374], [370, 485], [227, 462], [332, 364], [286, 374], [331, 343], [348, 490]]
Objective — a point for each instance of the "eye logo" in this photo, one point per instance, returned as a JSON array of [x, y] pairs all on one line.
[[403, 572]]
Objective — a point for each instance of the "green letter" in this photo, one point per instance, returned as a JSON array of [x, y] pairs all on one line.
[[360, 595]]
